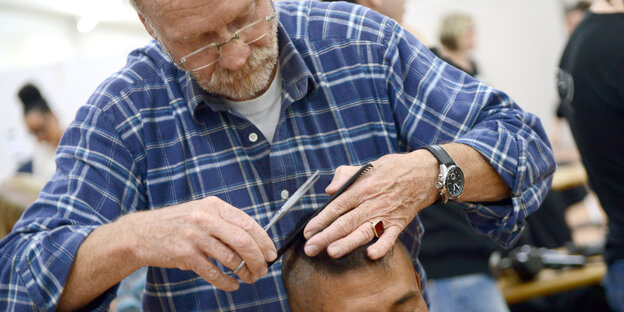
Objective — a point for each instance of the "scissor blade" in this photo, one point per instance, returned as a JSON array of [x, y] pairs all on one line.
[[293, 199]]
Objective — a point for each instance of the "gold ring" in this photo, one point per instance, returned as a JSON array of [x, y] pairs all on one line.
[[378, 227]]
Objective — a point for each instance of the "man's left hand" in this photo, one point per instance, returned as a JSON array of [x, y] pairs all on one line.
[[394, 191]]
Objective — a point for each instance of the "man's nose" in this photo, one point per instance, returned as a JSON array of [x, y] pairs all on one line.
[[234, 55]]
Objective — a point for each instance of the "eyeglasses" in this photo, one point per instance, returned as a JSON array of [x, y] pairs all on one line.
[[210, 54]]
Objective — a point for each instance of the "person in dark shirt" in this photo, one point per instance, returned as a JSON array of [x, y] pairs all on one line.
[[591, 86]]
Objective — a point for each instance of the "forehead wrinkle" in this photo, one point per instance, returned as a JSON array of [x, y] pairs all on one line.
[[196, 17]]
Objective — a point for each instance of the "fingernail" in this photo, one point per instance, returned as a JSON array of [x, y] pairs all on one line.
[[271, 255], [311, 250], [235, 287], [333, 251], [308, 234]]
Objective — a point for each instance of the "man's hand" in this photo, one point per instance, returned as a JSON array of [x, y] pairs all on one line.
[[189, 235], [186, 236], [394, 190]]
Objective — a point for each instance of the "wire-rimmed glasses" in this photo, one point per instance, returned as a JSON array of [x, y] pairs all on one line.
[[210, 54]]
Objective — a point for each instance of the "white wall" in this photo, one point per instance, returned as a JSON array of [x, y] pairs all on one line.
[[518, 44], [46, 49]]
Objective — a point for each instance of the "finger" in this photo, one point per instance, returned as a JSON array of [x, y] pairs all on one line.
[[343, 173], [211, 273], [384, 243], [244, 245], [362, 235], [341, 227], [348, 200], [215, 249], [243, 221]]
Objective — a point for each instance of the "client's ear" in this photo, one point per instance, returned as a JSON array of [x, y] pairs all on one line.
[[418, 280]]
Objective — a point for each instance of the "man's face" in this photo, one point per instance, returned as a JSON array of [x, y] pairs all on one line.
[[371, 289], [243, 71]]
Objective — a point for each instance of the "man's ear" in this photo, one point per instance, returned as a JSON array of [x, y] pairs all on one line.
[[147, 25], [375, 5], [418, 280]]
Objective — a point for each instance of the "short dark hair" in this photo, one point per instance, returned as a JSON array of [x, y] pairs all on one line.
[[32, 100], [323, 263], [298, 269]]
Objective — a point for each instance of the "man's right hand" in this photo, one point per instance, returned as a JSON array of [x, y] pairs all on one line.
[[189, 235]]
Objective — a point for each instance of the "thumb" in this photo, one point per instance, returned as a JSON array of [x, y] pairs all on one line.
[[343, 173]]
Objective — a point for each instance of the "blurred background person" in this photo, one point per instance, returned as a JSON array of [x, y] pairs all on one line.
[[591, 86], [44, 125], [457, 39], [560, 138], [20, 190], [574, 14]]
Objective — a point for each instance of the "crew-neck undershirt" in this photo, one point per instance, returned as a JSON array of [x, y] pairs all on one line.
[[264, 110]]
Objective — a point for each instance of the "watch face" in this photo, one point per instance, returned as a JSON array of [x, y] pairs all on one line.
[[454, 182]]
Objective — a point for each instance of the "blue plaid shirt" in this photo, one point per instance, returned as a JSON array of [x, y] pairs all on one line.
[[356, 87]]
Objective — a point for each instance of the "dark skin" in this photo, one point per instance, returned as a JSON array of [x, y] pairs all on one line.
[[370, 288]]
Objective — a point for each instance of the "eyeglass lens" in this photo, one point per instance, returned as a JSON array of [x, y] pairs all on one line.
[[207, 56]]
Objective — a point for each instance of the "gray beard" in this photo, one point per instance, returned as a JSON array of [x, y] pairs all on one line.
[[247, 82]]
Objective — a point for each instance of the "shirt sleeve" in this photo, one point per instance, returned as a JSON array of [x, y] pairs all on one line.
[[436, 103], [96, 181]]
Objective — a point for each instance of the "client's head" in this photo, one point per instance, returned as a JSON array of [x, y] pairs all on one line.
[[353, 282]]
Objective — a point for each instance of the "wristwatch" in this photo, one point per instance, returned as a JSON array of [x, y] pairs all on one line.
[[451, 178]]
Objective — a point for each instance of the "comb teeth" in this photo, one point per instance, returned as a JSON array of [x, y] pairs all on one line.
[[366, 169]]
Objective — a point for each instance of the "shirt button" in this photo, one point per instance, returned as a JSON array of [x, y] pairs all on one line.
[[253, 137], [285, 194]]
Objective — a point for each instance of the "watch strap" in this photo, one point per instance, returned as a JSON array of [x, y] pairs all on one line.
[[443, 157]]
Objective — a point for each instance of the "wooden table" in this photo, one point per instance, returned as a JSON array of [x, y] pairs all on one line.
[[16, 195], [550, 282], [568, 176]]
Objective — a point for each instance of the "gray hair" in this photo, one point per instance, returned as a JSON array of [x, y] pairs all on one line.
[[135, 5]]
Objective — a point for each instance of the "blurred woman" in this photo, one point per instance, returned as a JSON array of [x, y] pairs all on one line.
[[43, 124], [457, 39]]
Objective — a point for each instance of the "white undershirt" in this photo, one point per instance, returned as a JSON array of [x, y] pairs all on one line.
[[263, 111]]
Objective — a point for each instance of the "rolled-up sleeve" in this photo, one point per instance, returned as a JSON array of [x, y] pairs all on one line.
[[436, 103], [96, 181]]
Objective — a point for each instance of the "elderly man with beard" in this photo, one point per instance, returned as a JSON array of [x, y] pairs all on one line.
[[178, 159]]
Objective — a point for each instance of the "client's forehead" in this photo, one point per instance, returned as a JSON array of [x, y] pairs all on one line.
[[376, 285]]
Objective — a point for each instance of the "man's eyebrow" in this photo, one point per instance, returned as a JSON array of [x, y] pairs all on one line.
[[409, 295]]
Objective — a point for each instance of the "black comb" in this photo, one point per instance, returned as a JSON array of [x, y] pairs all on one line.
[[297, 234]]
